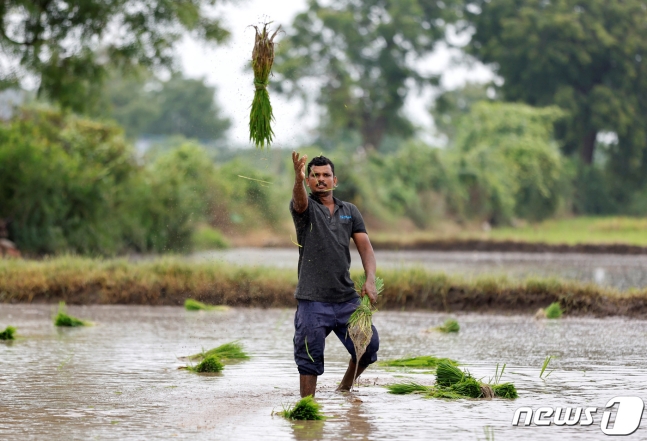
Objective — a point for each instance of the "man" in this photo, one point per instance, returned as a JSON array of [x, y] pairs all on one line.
[[325, 292]]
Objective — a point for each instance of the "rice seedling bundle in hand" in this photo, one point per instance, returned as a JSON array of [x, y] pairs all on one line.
[[228, 351], [261, 115], [8, 333], [360, 321], [305, 409], [62, 319]]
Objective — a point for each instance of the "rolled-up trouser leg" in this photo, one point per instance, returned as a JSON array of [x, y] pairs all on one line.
[[311, 327]]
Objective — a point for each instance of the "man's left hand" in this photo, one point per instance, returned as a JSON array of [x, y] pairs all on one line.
[[369, 290]]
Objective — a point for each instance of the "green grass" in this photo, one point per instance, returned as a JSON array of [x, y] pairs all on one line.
[[305, 409], [449, 326], [554, 311], [425, 361], [65, 320], [8, 333], [228, 351], [195, 305], [208, 238], [211, 364]]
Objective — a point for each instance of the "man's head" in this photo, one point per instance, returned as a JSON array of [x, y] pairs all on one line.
[[321, 175]]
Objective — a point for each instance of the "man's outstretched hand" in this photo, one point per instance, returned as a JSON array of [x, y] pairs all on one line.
[[299, 166]]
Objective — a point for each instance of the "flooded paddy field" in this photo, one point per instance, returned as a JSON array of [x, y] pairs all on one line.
[[120, 379], [611, 270]]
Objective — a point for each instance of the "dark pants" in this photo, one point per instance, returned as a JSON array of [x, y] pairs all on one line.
[[313, 321]]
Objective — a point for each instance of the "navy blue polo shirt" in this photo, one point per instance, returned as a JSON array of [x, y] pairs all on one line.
[[324, 256]]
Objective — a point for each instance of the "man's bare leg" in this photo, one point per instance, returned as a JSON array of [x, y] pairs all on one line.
[[347, 382], [308, 385]]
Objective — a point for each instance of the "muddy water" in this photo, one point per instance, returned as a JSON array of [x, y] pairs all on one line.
[[120, 380], [618, 271]]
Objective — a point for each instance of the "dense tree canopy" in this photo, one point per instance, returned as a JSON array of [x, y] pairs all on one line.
[[178, 106], [69, 46], [363, 53], [586, 56]]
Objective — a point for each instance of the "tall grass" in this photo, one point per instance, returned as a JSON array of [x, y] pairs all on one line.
[[169, 281]]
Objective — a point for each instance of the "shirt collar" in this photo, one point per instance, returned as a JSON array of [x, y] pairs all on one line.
[[338, 202]]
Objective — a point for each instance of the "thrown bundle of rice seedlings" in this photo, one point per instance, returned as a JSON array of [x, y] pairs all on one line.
[[228, 351], [407, 388], [194, 305], [261, 115], [305, 409], [360, 321], [62, 319], [208, 365], [425, 361], [450, 325], [8, 333], [447, 374], [505, 390], [554, 311]]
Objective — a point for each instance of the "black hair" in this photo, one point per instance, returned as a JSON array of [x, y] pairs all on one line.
[[319, 161]]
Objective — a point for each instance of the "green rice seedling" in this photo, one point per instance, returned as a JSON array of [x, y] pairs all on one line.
[[228, 351], [261, 114], [194, 305], [554, 311], [447, 374], [505, 390], [425, 361], [360, 321], [497, 374], [544, 366], [209, 364], [8, 333], [407, 388], [305, 409], [445, 393], [62, 319], [468, 387], [450, 325]]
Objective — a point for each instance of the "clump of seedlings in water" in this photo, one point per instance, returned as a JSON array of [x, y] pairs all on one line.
[[453, 383], [228, 351], [554, 311], [305, 409], [450, 325], [8, 333], [360, 322], [195, 305], [425, 361], [210, 364], [63, 319]]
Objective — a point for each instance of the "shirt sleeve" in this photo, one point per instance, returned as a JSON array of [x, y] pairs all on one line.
[[299, 219], [358, 221]]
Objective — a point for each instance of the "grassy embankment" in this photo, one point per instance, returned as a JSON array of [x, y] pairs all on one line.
[[573, 232], [170, 281]]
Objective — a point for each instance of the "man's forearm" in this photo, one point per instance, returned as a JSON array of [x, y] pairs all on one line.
[[299, 196], [368, 256]]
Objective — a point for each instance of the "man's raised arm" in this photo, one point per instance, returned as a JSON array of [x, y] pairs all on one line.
[[299, 195]]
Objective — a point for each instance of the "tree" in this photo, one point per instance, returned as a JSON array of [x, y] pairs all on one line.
[[362, 52], [584, 56], [148, 106], [71, 46], [451, 105]]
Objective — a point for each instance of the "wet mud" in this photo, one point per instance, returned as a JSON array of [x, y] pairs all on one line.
[[120, 378]]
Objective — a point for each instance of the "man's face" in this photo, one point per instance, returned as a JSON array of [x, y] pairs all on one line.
[[321, 180]]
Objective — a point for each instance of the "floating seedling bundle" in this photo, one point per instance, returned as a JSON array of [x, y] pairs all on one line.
[[214, 359], [261, 115], [450, 325], [425, 361], [8, 333], [62, 319], [194, 305], [453, 383], [305, 409], [360, 322]]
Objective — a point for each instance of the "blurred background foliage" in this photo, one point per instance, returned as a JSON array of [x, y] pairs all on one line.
[[117, 151]]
